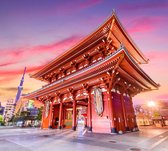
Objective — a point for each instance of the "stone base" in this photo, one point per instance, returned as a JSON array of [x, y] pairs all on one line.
[[74, 128], [120, 132], [127, 129], [60, 127], [89, 129], [136, 129], [113, 130], [50, 126]]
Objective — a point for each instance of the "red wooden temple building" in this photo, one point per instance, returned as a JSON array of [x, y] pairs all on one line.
[[98, 78]]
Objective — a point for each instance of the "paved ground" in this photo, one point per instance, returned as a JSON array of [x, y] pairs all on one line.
[[33, 139]]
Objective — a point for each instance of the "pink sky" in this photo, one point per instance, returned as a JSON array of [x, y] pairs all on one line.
[[34, 33]]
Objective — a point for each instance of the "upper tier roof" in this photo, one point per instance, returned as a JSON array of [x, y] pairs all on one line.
[[118, 32]]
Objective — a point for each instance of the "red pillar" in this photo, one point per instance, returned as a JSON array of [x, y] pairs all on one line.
[[42, 119], [60, 115], [124, 112], [51, 114], [74, 116], [85, 121], [111, 111], [89, 114]]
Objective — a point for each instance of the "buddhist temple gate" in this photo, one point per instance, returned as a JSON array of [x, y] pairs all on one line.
[[97, 77]]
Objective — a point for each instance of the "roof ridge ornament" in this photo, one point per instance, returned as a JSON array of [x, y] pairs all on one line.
[[113, 11]]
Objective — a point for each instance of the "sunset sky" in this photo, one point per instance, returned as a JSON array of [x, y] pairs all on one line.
[[33, 32]]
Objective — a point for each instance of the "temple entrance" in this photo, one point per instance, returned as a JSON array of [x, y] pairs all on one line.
[[55, 121], [81, 117], [67, 117], [81, 114]]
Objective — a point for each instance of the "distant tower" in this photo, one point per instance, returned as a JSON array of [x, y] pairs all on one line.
[[20, 87]]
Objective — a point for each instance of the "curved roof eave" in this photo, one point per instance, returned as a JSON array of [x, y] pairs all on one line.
[[121, 50], [73, 47], [140, 70], [144, 60]]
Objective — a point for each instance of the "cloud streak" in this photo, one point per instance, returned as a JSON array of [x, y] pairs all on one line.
[[70, 7], [146, 5], [13, 89], [163, 96], [7, 64], [159, 56], [41, 53], [51, 8], [20, 71], [145, 24], [34, 58]]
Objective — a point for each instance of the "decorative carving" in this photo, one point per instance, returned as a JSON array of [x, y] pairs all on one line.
[[67, 97], [85, 86], [61, 69], [70, 90], [73, 63], [86, 56], [98, 101], [81, 94], [73, 66]]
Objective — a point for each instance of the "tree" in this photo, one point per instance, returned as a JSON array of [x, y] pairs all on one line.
[[1, 120]]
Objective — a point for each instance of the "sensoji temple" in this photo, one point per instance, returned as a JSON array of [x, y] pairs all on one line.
[[95, 80]]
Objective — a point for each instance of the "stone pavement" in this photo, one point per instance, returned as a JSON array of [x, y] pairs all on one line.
[[34, 139]]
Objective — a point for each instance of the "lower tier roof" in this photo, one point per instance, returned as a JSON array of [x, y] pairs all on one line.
[[127, 68]]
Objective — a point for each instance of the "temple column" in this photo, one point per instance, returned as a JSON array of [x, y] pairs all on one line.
[[51, 114], [111, 111], [60, 115], [74, 115], [63, 118], [89, 113], [85, 122], [124, 112], [42, 118]]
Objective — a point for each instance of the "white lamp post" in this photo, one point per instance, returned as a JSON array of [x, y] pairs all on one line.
[[151, 104]]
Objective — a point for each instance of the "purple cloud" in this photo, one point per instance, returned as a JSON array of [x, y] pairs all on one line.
[[26, 53]]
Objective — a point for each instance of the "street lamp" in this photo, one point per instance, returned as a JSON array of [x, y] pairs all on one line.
[[151, 105]]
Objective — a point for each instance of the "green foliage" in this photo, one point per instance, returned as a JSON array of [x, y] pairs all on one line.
[[1, 120]]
